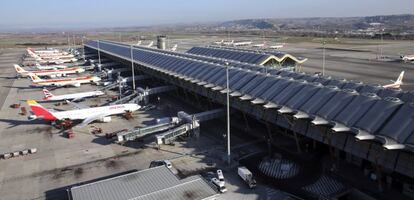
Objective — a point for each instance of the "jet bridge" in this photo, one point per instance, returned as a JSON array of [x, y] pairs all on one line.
[[125, 99], [143, 94], [110, 64], [171, 128]]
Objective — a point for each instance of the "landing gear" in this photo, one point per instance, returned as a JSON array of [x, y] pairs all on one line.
[[65, 125], [128, 115]]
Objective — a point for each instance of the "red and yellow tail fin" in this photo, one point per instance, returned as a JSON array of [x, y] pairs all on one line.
[[47, 94], [34, 77], [18, 68], [40, 111]]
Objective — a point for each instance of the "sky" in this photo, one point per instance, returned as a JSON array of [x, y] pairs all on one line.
[[20, 14]]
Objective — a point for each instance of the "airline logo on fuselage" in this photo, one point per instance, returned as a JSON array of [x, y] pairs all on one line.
[[116, 107]]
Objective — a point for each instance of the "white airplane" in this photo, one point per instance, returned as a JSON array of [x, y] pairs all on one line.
[[45, 51], [48, 96], [68, 56], [138, 43], [407, 58], [228, 43], [50, 56], [52, 73], [396, 84], [33, 52], [43, 67], [174, 48], [278, 46], [64, 81], [55, 61], [84, 113], [245, 43], [219, 42], [259, 45], [150, 44]]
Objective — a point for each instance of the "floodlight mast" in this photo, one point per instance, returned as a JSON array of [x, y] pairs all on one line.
[[132, 66], [228, 115]]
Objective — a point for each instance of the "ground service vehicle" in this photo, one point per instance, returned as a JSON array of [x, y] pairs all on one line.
[[247, 176]]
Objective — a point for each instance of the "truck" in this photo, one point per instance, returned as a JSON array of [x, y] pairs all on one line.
[[247, 176]]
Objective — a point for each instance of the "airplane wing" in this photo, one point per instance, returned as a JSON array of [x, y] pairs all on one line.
[[77, 99], [91, 119], [76, 105]]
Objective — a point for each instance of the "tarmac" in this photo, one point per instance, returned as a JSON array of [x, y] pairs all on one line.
[[61, 162]]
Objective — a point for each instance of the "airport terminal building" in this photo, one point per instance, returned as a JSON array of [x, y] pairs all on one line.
[[364, 126]]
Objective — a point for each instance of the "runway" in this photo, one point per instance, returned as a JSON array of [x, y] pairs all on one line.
[[356, 66]]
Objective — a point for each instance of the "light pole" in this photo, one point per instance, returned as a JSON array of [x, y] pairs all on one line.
[[382, 41], [83, 52], [99, 54], [323, 59], [228, 114], [132, 66]]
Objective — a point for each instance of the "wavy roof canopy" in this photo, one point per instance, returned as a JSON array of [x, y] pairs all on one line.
[[245, 55]]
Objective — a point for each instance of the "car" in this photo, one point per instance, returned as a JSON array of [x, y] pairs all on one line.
[[219, 184], [157, 163]]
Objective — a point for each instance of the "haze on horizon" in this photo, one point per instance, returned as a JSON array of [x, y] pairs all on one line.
[[24, 14]]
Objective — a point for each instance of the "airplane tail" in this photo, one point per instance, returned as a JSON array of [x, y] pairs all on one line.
[[34, 77], [40, 111], [174, 48], [400, 78], [19, 69], [29, 50], [47, 94]]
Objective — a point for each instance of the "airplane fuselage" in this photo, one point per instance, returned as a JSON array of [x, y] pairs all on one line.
[[74, 96], [82, 114]]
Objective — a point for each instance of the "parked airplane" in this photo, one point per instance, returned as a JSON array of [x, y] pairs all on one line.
[[55, 61], [244, 43], [174, 48], [44, 51], [84, 113], [407, 58], [228, 43], [43, 67], [48, 96], [64, 81], [219, 42], [396, 84], [138, 43], [50, 73], [68, 56], [278, 46], [259, 45], [49, 56]]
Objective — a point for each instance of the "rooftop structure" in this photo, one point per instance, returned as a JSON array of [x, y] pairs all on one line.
[[264, 58], [153, 183]]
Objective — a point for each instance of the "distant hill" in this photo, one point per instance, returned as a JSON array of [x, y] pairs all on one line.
[[391, 23]]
